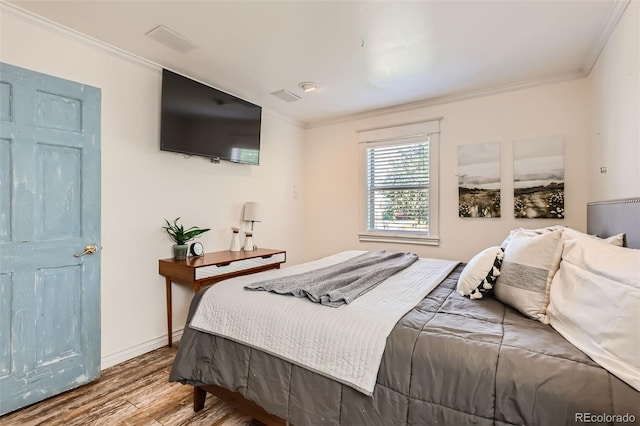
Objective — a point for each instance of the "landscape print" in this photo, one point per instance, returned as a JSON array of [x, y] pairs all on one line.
[[538, 170], [479, 180]]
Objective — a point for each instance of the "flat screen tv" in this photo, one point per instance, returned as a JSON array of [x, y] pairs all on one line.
[[199, 120]]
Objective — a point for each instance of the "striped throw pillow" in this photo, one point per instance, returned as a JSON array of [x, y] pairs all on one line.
[[530, 262]]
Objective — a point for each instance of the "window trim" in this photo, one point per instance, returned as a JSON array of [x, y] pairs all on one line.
[[399, 135]]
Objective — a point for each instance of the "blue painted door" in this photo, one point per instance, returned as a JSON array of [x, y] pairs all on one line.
[[49, 211]]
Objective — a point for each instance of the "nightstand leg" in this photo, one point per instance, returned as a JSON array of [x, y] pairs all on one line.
[[169, 321]]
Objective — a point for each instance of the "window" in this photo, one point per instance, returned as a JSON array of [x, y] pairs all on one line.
[[398, 187], [400, 184]]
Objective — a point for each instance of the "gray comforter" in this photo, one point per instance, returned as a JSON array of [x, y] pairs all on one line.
[[450, 360]]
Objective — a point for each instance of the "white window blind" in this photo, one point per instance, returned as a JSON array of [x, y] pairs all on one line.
[[399, 201], [398, 187]]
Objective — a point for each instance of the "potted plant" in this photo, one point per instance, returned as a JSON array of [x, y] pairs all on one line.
[[181, 237]]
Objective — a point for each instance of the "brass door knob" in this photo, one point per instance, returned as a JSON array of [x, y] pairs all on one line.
[[89, 249]]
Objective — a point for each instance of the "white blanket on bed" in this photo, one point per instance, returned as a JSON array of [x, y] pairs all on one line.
[[345, 344]]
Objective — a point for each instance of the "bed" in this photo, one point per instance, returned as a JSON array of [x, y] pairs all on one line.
[[449, 360]]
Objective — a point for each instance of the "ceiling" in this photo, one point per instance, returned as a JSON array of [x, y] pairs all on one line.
[[364, 55]]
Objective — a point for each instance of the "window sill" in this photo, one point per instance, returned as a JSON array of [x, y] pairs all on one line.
[[399, 238]]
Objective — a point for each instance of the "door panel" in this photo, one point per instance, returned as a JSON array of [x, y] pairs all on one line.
[[49, 211], [6, 295], [5, 101], [5, 190], [58, 293], [58, 191], [59, 112]]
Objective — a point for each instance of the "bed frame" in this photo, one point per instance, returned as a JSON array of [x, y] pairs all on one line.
[[237, 401], [604, 218]]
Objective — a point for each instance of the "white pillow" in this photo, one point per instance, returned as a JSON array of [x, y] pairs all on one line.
[[595, 304], [530, 262], [530, 231], [616, 240], [567, 234], [479, 276], [572, 234]]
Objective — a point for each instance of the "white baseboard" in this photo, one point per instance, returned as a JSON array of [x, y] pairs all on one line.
[[137, 350]]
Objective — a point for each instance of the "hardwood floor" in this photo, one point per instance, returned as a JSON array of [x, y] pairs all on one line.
[[136, 392]]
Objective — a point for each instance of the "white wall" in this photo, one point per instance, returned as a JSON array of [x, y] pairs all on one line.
[[141, 185], [615, 115], [332, 172], [310, 190]]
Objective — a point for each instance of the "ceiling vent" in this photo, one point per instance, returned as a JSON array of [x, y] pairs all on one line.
[[171, 39], [286, 95]]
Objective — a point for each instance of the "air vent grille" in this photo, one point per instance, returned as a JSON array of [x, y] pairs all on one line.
[[172, 39], [286, 95]]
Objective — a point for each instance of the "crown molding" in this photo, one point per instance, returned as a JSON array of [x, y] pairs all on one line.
[[49, 25], [615, 14], [617, 10], [455, 97], [292, 121], [610, 24]]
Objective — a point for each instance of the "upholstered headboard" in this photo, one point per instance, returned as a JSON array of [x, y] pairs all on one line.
[[606, 218]]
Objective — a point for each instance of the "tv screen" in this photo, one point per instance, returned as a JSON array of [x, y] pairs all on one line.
[[199, 120]]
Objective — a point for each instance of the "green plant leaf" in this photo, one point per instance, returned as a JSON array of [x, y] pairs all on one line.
[[179, 235]]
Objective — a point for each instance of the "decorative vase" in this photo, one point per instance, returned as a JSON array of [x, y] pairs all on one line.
[[248, 241], [180, 251], [235, 240]]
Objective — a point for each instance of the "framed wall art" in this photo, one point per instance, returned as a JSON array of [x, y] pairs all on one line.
[[479, 180], [538, 178]]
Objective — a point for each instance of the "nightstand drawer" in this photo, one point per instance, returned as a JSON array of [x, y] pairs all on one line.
[[238, 265]]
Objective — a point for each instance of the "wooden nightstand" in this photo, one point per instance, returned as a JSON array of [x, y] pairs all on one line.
[[215, 267]]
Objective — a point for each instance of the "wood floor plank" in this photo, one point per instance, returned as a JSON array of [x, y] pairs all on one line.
[[181, 411], [157, 389], [108, 413], [134, 393], [133, 372], [158, 405]]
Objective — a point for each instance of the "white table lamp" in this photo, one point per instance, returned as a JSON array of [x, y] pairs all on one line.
[[252, 212]]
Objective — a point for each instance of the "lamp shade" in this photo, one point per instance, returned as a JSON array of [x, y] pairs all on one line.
[[252, 212]]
